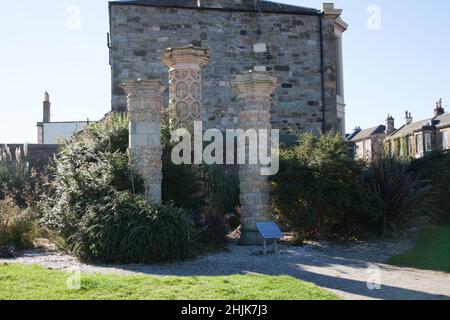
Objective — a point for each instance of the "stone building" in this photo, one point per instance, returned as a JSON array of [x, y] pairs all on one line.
[[414, 139], [40, 155], [417, 138], [51, 132], [302, 47], [368, 143]]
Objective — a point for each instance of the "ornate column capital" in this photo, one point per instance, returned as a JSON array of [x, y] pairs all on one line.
[[142, 87], [253, 85], [186, 58]]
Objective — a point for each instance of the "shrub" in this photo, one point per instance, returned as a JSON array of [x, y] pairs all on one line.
[[123, 228], [318, 190], [221, 197], [402, 194], [97, 205], [210, 192], [182, 184], [435, 169], [18, 227]]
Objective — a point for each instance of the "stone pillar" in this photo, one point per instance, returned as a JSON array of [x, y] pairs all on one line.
[[144, 112], [185, 84], [254, 91]]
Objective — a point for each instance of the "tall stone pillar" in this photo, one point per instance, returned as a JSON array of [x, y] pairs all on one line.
[[144, 112], [254, 91], [185, 84]]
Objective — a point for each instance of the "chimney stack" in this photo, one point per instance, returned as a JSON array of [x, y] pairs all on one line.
[[390, 124], [46, 105], [409, 118], [439, 109]]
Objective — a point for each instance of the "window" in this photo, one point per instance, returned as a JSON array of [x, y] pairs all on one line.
[[419, 143], [402, 147], [367, 148], [427, 142], [392, 149], [410, 145], [445, 140], [360, 149]]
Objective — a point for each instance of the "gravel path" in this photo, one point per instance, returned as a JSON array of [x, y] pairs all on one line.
[[340, 269]]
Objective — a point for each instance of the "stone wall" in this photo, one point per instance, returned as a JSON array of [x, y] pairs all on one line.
[[37, 155], [287, 44]]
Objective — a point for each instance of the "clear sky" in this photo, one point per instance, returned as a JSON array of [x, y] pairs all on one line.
[[400, 61]]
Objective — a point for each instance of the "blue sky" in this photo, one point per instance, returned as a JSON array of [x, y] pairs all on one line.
[[403, 65]]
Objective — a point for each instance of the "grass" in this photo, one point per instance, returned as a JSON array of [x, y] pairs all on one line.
[[36, 283], [431, 252]]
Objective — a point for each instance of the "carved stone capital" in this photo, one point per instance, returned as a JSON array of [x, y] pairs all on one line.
[[253, 85], [186, 58], [143, 88]]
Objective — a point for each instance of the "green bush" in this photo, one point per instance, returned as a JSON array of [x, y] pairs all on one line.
[[124, 228], [182, 184], [403, 195], [210, 192], [98, 209], [435, 169], [18, 228], [318, 189], [221, 198]]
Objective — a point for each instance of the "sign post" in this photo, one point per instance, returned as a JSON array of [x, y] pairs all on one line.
[[269, 231]]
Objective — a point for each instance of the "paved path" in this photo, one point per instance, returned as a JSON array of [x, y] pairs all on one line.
[[340, 269]]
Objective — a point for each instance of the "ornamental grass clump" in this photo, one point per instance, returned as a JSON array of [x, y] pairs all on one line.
[[18, 228]]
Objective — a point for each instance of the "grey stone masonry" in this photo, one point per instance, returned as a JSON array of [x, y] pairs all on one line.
[[253, 91], [144, 112], [297, 46]]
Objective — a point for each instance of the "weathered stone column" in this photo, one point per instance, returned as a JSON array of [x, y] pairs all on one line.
[[254, 91], [185, 84], [144, 112]]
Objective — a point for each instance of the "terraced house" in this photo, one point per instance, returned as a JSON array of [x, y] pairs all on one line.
[[368, 144], [416, 139], [301, 46]]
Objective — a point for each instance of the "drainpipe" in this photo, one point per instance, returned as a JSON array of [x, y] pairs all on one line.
[[322, 71]]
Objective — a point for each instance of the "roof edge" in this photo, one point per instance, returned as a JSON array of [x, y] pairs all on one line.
[[300, 11]]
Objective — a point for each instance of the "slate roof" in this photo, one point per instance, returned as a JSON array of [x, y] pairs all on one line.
[[442, 120], [367, 133], [439, 122], [263, 6]]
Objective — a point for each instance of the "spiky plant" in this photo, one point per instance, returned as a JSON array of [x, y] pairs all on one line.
[[403, 195]]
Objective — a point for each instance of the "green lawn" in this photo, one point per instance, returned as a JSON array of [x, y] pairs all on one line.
[[36, 283], [431, 252]]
